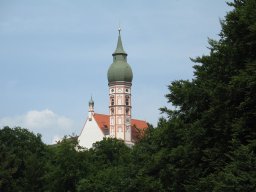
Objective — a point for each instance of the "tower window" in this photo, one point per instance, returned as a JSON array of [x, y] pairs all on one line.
[[112, 102], [126, 90], [127, 100]]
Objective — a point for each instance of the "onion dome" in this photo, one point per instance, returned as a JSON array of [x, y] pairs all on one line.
[[119, 70]]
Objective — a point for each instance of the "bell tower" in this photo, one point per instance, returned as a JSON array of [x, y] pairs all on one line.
[[120, 81]]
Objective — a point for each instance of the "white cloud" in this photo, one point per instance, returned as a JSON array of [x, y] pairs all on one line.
[[50, 125], [55, 139]]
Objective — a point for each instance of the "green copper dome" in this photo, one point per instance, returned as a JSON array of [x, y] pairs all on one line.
[[120, 70]]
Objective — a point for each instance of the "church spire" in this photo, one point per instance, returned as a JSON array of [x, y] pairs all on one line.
[[119, 47], [119, 70], [91, 103], [91, 108]]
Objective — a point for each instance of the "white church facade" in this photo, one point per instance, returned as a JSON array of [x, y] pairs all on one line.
[[118, 123]]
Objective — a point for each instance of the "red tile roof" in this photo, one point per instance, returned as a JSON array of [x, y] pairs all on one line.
[[138, 126], [102, 120]]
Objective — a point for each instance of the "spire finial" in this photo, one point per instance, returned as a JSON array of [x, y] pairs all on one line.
[[91, 107], [119, 28], [91, 102], [119, 47]]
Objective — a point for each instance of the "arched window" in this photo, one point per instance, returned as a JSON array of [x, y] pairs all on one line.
[[112, 101]]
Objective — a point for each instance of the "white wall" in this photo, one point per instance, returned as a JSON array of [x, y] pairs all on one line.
[[90, 134]]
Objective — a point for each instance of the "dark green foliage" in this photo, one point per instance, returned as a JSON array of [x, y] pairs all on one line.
[[109, 171], [112, 178], [205, 144], [239, 175], [110, 152], [22, 158], [67, 164], [217, 109]]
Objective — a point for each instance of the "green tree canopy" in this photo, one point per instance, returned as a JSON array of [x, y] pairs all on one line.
[[22, 158]]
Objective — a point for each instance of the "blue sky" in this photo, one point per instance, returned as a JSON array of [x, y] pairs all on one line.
[[54, 54]]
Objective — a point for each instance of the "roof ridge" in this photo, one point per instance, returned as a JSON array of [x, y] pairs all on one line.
[[100, 114]]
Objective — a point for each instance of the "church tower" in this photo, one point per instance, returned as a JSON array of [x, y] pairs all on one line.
[[120, 82]]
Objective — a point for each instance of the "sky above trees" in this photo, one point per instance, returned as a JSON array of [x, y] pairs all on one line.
[[55, 54]]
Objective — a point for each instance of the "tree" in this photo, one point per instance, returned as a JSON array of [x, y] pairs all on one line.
[[217, 109], [22, 160], [109, 167], [67, 164]]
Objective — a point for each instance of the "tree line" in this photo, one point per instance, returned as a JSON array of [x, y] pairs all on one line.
[[207, 143]]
